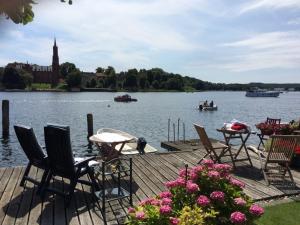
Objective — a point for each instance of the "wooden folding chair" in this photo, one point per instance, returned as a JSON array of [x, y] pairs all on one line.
[[275, 161], [214, 150], [261, 136]]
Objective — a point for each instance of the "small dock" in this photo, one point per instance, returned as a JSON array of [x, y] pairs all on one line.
[[22, 206]]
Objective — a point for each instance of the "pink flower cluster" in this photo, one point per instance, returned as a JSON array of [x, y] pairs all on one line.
[[192, 187], [165, 194], [150, 201], [240, 201], [179, 182], [166, 201], [237, 183], [174, 221], [238, 217], [165, 209], [140, 215], [208, 162], [256, 210], [203, 200], [213, 174], [217, 195]]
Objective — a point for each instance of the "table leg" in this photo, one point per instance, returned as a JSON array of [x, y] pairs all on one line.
[[243, 145]]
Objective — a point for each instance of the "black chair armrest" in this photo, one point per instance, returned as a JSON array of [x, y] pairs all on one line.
[[84, 162]]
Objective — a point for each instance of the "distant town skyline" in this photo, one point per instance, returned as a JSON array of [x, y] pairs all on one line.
[[238, 41]]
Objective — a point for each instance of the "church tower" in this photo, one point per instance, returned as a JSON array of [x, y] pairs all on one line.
[[55, 65]]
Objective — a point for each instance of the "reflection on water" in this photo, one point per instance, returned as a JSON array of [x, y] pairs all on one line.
[[148, 117]]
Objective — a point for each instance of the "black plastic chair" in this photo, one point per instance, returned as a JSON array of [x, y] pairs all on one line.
[[62, 163], [34, 153]]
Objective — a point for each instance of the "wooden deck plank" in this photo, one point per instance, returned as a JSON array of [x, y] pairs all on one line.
[[24, 210], [36, 204], [150, 171], [12, 205]]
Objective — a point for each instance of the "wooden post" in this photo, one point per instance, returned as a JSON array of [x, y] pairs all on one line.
[[5, 118], [169, 129], [90, 127]]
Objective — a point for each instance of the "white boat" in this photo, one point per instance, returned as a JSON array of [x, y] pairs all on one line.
[[208, 108], [262, 93], [111, 136]]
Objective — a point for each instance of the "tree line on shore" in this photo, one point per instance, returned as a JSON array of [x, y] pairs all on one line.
[[155, 79]]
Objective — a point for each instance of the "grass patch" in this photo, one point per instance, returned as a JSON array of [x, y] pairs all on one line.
[[40, 86], [283, 214]]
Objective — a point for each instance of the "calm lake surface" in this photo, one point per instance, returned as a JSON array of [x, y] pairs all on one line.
[[146, 118]]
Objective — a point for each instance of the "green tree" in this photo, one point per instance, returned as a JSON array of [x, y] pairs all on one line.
[[111, 81], [26, 77], [67, 68], [100, 70], [110, 71], [130, 81], [73, 79], [16, 79], [174, 84], [143, 80], [19, 11], [155, 84]]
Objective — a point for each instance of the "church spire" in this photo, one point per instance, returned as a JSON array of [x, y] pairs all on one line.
[[55, 41], [55, 64]]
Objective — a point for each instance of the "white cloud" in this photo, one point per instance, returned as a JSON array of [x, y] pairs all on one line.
[[294, 21], [265, 51], [275, 4]]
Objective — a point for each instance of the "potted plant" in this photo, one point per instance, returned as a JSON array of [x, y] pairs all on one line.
[[205, 194]]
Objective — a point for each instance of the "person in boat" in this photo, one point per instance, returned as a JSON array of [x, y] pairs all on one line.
[[200, 107], [205, 104], [211, 104]]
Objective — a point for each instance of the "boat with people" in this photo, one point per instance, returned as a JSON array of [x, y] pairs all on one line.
[[207, 107], [124, 98], [262, 93]]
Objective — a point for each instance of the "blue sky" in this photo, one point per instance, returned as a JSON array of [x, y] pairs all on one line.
[[220, 41]]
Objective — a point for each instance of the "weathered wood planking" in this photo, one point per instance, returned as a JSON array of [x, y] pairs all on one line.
[[23, 206]]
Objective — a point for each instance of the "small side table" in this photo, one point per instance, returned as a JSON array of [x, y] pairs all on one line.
[[243, 136], [116, 168]]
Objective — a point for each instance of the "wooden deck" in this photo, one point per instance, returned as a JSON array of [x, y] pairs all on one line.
[[22, 206]]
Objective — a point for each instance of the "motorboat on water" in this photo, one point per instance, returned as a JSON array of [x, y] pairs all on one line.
[[126, 143], [124, 98], [262, 93], [208, 108]]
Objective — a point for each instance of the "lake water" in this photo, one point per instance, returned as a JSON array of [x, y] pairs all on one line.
[[146, 118]]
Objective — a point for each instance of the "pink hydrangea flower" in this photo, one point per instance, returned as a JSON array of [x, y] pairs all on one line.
[[238, 217], [213, 174], [165, 194], [237, 183], [166, 201], [208, 162], [180, 182], [131, 210], [140, 215], [256, 210], [240, 201], [165, 209], [194, 175], [203, 200], [222, 167], [197, 169], [183, 172], [174, 220], [171, 184], [150, 201], [192, 187], [217, 195]]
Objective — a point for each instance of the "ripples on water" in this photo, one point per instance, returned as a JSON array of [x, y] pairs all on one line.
[[146, 118]]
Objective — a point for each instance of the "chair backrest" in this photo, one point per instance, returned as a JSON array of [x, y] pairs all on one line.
[[203, 136], [273, 121], [282, 147], [58, 147], [30, 145]]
